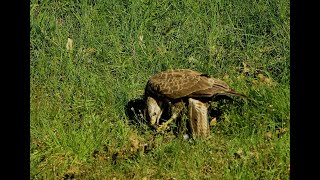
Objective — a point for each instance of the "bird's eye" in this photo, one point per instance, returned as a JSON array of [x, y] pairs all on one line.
[[154, 114]]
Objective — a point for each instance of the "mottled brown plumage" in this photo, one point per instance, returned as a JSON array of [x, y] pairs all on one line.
[[175, 84]]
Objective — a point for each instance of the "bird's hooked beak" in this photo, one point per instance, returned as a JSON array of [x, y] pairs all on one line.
[[154, 110]]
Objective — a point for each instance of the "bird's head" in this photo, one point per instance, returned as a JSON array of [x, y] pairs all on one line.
[[154, 110]]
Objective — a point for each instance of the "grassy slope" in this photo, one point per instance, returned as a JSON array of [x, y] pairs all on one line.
[[78, 123]]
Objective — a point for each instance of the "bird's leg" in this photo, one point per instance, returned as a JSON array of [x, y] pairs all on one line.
[[176, 109], [198, 117], [164, 125]]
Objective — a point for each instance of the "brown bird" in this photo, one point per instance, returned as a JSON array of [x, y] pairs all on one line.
[[174, 88]]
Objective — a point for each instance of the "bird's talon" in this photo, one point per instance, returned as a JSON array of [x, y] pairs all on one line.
[[162, 128]]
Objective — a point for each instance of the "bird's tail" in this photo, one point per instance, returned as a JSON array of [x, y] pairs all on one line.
[[233, 93]]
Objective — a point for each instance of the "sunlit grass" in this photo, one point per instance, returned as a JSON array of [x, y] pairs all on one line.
[[79, 128]]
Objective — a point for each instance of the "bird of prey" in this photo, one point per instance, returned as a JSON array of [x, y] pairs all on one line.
[[176, 88]]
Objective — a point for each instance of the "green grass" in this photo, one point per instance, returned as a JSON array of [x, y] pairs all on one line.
[[79, 128]]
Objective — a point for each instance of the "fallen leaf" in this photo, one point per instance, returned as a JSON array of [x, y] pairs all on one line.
[[281, 131], [60, 21], [268, 135], [238, 154], [255, 82], [245, 68], [268, 81], [265, 80], [254, 154], [213, 121], [266, 49], [141, 38], [69, 44], [134, 143], [90, 51], [261, 77]]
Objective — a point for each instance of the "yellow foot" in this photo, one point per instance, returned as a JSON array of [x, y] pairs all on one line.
[[164, 126]]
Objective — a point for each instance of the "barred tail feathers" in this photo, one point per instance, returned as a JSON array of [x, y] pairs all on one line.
[[233, 93]]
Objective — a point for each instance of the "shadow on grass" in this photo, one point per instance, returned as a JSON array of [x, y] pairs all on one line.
[[136, 112], [221, 104]]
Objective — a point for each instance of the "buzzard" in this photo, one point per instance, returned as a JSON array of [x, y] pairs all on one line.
[[182, 88]]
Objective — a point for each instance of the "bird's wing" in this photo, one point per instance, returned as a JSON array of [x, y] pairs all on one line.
[[177, 83], [216, 86]]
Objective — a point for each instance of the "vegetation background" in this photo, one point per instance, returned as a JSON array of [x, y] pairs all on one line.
[[79, 126]]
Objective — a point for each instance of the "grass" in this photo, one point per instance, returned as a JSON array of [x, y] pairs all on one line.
[[79, 126]]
